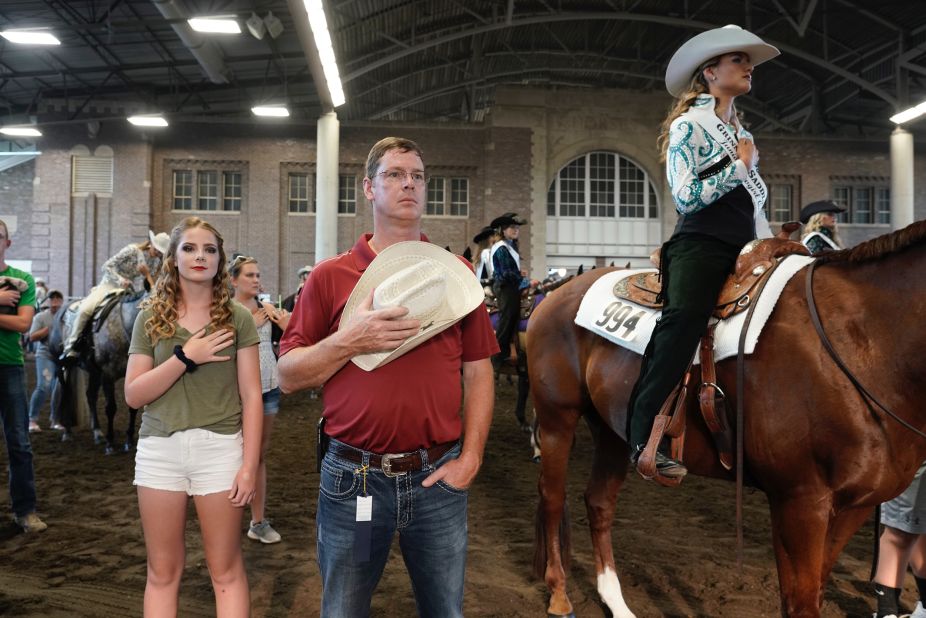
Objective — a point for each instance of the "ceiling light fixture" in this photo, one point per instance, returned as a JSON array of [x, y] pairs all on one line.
[[217, 24], [256, 26], [275, 111], [325, 50], [148, 121], [909, 114], [21, 131], [274, 25], [30, 37]]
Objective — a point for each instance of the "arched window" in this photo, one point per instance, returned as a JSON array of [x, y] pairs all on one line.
[[601, 207]]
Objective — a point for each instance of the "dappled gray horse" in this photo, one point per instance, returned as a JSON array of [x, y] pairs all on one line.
[[105, 362]]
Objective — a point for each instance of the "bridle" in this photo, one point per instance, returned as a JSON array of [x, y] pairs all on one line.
[[864, 392]]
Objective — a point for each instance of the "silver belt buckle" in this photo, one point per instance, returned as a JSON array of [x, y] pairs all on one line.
[[387, 464]]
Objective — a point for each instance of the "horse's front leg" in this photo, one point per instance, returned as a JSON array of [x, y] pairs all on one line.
[[557, 429], [800, 528], [109, 393], [93, 393], [609, 470]]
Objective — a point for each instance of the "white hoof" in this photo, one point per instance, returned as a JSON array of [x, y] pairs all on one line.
[[609, 588]]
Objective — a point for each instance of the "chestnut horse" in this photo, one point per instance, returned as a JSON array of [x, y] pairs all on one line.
[[821, 453]]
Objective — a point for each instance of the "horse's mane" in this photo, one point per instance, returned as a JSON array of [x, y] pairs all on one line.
[[881, 246]]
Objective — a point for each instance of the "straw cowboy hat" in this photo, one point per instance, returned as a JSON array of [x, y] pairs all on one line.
[[710, 44], [160, 241], [822, 206], [436, 287]]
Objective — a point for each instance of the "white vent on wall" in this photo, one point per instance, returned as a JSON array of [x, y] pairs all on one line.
[[91, 175]]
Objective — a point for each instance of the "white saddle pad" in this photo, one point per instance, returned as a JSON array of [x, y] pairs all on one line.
[[630, 325]]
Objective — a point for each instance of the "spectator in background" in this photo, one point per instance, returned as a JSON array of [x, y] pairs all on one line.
[[45, 370], [17, 308], [290, 301], [41, 293], [902, 543], [245, 279]]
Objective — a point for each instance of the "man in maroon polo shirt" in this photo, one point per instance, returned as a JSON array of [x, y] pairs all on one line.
[[395, 462]]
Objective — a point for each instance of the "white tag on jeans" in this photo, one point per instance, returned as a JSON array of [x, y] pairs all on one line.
[[364, 508], [363, 529]]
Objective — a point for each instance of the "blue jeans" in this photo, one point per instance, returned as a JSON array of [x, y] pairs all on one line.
[[16, 432], [431, 523], [44, 381]]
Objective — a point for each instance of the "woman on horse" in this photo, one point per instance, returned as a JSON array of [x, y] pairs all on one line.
[[132, 268], [507, 281], [194, 366], [711, 164], [245, 279], [484, 240], [819, 219]]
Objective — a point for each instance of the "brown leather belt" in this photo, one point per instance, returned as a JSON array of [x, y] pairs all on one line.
[[393, 464]]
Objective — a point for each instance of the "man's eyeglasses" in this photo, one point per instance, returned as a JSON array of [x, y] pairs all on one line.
[[395, 177]]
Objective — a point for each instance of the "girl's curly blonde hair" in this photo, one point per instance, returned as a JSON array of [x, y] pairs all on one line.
[[166, 296]]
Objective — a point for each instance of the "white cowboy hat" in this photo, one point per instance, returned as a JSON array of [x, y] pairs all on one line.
[[710, 44], [160, 241], [436, 287]]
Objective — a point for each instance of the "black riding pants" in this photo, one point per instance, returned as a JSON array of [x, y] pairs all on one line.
[[508, 298], [695, 268]]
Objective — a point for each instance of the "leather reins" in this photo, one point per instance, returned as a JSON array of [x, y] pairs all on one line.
[[864, 392]]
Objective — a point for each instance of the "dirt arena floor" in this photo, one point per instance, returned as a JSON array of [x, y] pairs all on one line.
[[675, 547]]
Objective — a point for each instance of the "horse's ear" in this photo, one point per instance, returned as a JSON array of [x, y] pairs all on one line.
[[612, 263], [579, 272]]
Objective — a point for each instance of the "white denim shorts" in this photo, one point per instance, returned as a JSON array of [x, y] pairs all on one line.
[[196, 461]]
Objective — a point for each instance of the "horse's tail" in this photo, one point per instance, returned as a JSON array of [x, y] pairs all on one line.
[[540, 541]]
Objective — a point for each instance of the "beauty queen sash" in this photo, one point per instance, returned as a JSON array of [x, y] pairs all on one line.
[[705, 117]]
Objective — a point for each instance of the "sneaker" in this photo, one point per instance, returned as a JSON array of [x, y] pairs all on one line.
[[920, 611], [58, 427], [34, 427], [262, 531], [665, 466], [30, 522]]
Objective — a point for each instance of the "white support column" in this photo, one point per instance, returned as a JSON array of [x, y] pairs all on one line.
[[901, 178], [326, 187]]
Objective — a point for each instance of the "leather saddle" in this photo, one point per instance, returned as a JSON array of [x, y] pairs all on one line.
[[755, 263]]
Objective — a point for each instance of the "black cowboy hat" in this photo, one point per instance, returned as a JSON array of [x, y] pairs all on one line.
[[822, 206], [483, 234], [509, 218]]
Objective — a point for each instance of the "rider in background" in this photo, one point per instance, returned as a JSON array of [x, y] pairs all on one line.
[[711, 164], [819, 233], [132, 268], [482, 265], [507, 282]]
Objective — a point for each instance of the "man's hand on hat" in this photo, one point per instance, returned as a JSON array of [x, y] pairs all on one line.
[[9, 297], [459, 473], [381, 330]]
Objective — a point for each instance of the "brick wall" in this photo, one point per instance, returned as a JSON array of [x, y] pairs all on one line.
[[509, 160], [16, 211]]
